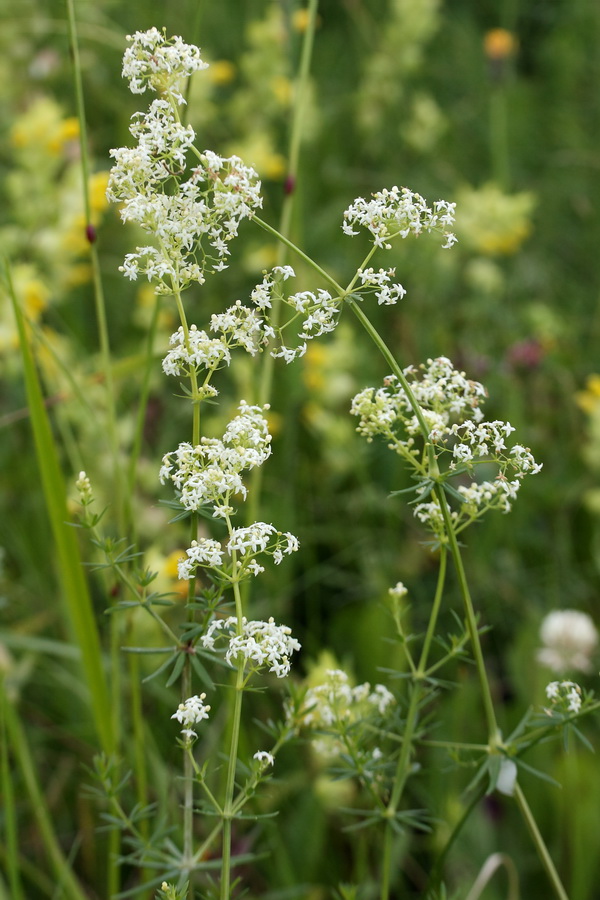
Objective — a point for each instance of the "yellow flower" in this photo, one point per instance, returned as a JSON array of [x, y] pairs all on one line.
[[221, 72], [97, 185], [492, 222], [589, 399], [282, 88], [35, 296], [499, 44], [300, 20]]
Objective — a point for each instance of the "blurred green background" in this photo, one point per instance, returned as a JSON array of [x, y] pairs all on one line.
[[493, 105]]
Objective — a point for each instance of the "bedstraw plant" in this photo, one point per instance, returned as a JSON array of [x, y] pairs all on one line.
[[191, 204]]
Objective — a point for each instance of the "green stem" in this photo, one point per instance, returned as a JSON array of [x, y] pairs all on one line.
[[100, 306], [307, 259], [408, 735], [188, 792], [141, 415], [228, 806], [470, 617], [266, 381], [540, 844]]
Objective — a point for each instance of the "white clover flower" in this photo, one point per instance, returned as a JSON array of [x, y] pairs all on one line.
[[191, 712], [399, 212], [260, 643], [570, 638]]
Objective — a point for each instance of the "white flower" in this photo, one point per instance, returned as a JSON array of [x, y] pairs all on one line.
[[399, 212], [262, 643], [205, 552], [398, 591], [264, 759], [191, 712], [569, 639], [211, 473], [564, 695], [158, 62]]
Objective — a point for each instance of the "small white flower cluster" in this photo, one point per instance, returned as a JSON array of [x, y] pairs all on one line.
[[199, 351], [159, 63], [445, 394], [335, 700], [380, 282], [441, 391], [264, 759], [399, 591], [399, 212], [335, 705], [84, 488], [211, 473], [261, 643], [191, 712], [257, 538], [570, 639], [238, 326], [181, 215], [565, 696]]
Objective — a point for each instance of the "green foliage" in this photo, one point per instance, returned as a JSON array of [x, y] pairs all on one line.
[[400, 92]]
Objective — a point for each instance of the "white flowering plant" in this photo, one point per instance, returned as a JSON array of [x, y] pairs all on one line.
[[192, 204]]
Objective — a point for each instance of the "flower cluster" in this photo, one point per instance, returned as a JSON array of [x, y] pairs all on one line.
[[211, 473], [191, 712], [159, 63], [565, 696], [246, 543], [399, 212], [570, 638], [264, 759], [194, 351], [380, 283], [191, 220], [260, 643], [451, 407], [334, 706]]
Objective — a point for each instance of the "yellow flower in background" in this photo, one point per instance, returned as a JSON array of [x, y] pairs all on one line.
[[491, 222], [42, 129], [498, 44], [282, 89], [300, 20], [221, 72], [97, 185], [261, 154], [589, 399]]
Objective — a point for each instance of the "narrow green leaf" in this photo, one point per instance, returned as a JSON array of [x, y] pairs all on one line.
[[77, 601]]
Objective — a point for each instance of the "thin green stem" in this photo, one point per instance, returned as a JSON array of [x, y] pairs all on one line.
[[470, 617], [228, 807], [141, 414], [540, 844], [99, 302], [188, 792], [409, 731], [301, 88], [307, 259]]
